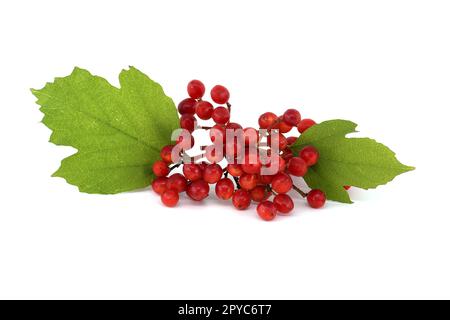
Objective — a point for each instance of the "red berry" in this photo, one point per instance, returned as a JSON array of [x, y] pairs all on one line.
[[233, 126], [251, 164], [204, 110], [297, 167], [170, 198], [251, 136], [159, 185], [177, 182], [281, 183], [316, 198], [233, 148], [248, 181], [310, 155], [266, 179], [291, 140], [277, 138], [166, 153], [292, 117], [221, 115], [195, 89], [241, 199], [305, 124], [198, 190], [267, 120], [266, 210], [212, 173], [235, 169], [160, 168], [187, 106], [224, 189], [347, 187], [220, 94], [186, 141], [283, 127], [192, 171], [283, 203], [203, 165], [187, 121], [276, 166], [213, 155], [217, 132], [259, 193], [287, 154]]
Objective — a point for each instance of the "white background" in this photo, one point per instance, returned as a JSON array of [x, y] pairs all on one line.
[[382, 64]]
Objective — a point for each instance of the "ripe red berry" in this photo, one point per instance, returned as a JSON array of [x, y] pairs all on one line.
[[267, 120], [248, 181], [187, 106], [217, 132], [224, 189], [251, 164], [276, 166], [277, 138], [221, 115], [251, 136], [310, 155], [305, 124], [170, 198], [297, 167], [316, 198], [195, 89], [198, 190], [220, 94], [213, 155], [281, 183], [212, 173], [235, 169], [233, 126], [177, 182], [166, 153], [187, 121], [292, 117], [287, 154], [204, 110], [266, 210], [291, 140], [283, 203], [160, 168], [283, 127], [159, 185], [192, 171], [347, 187], [259, 193], [241, 199], [266, 179]]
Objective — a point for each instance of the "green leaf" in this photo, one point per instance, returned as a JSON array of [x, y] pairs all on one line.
[[359, 162], [118, 131]]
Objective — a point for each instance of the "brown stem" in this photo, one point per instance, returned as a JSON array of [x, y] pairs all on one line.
[[303, 194], [176, 165]]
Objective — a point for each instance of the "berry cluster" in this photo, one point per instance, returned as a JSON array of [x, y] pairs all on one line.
[[242, 179]]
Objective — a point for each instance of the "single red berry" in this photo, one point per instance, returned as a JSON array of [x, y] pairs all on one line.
[[233, 126], [292, 117], [204, 110], [259, 193], [251, 164], [283, 203], [160, 168], [221, 115], [281, 183], [195, 89], [305, 124], [220, 94], [316, 198], [192, 171], [287, 154], [283, 127], [266, 210], [291, 140], [213, 154], [310, 155], [278, 165], [266, 179], [166, 153], [212, 173], [217, 132], [198, 190], [297, 167], [203, 165], [267, 120], [235, 169], [248, 181], [224, 188], [251, 136], [187, 121], [187, 106], [241, 199], [177, 182], [274, 138], [159, 185], [170, 198], [347, 187]]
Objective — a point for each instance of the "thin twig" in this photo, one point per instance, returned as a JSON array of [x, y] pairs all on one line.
[[303, 194]]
